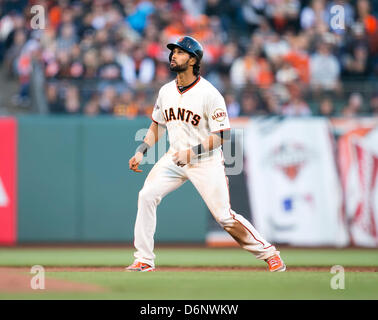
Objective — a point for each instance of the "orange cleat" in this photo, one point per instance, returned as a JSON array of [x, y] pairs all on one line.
[[276, 264], [140, 266]]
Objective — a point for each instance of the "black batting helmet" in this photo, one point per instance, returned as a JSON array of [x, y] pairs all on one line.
[[188, 44]]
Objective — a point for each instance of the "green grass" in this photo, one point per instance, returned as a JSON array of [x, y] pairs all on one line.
[[213, 285], [183, 257], [189, 285]]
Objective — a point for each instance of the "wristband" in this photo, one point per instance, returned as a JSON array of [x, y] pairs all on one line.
[[224, 134], [198, 149], [143, 148]]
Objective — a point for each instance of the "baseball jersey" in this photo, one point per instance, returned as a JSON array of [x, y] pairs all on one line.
[[192, 115]]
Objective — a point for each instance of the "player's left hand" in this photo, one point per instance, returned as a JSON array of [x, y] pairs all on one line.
[[182, 158]]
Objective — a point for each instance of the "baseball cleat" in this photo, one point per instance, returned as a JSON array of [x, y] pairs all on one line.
[[276, 264], [140, 266]]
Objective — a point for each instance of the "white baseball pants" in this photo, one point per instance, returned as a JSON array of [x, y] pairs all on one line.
[[208, 177]]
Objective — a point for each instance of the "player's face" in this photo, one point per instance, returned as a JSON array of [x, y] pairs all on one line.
[[181, 60]]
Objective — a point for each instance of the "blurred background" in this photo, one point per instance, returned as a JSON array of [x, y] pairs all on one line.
[[303, 92], [267, 57]]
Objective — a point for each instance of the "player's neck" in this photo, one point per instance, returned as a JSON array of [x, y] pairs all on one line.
[[185, 78]]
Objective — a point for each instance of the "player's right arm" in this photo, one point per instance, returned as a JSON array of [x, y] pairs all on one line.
[[154, 133]]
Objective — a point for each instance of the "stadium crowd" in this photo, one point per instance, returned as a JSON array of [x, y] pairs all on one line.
[[267, 57]]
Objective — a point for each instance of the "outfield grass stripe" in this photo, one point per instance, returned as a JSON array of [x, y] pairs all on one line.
[[183, 257], [213, 285]]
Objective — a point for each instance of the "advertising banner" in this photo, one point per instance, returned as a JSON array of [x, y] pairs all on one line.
[[358, 160], [8, 181], [294, 186]]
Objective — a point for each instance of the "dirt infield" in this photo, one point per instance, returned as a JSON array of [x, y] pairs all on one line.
[[18, 279], [14, 280]]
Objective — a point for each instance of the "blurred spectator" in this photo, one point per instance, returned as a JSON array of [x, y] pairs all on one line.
[[88, 39], [13, 6], [233, 106], [63, 69], [356, 64], [275, 48], [10, 25], [313, 14], [23, 67], [251, 69], [54, 101], [95, 52], [194, 7], [326, 107], [201, 29], [364, 15], [230, 54], [296, 106], [152, 45], [272, 101], [264, 30], [287, 74], [370, 28], [224, 9], [125, 106], [374, 104], [354, 106], [324, 69], [55, 14], [109, 69], [92, 107], [298, 57], [72, 100], [162, 74], [14, 51], [145, 105], [138, 69], [139, 15], [252, 13], [67, 37], [250, 104], [90, 64], [107, 100], [176, 26], [284, 14]]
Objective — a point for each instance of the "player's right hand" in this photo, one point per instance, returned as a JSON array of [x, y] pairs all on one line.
[[135, 161]]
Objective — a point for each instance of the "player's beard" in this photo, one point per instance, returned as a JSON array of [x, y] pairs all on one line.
[[180, 67]]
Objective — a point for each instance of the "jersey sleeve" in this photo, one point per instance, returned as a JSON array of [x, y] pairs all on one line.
[[157, 113], [217, 113]]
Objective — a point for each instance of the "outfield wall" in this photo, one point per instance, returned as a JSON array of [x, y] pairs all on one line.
[[74, 184], [66, 179]]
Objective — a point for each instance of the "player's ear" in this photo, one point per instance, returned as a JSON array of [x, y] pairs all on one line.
[[192, 61]]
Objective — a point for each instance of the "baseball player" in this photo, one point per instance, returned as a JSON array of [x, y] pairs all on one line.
[[195, 115]]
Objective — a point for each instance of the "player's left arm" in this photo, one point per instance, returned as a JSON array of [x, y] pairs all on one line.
[[213, 141]]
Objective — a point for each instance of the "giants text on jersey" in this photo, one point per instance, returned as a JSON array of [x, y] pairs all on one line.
[[190, 116]]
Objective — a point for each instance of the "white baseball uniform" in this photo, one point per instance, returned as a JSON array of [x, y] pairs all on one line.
[[190, 117]]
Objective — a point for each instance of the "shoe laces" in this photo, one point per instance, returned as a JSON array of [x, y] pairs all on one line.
[[136, 264], [275, 261]]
